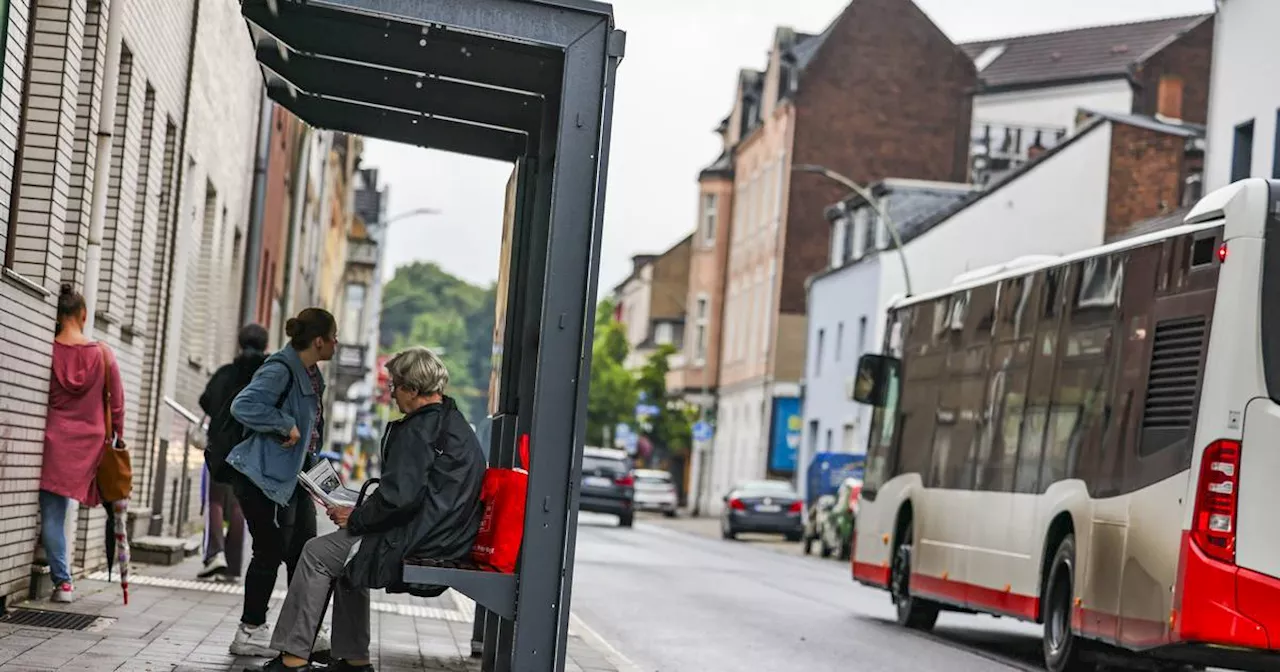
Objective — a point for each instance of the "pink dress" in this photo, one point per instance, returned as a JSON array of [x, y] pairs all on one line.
[[74, 432]]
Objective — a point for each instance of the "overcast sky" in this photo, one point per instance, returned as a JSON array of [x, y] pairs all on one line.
[[675, 84]]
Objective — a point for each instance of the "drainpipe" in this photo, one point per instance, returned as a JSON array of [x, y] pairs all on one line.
[[102, 164], [258, 209], [175, 226], [301, 177]]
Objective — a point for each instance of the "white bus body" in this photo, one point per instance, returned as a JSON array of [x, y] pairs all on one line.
[[1124, 398]]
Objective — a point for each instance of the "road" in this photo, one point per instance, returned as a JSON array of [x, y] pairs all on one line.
[[674, 601]]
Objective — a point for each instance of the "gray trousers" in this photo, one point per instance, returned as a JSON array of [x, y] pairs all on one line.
[[318, 570]]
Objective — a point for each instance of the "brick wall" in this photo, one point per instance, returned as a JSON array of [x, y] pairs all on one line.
[[1190, 59], [888, 96], [1146, 180], [54, 184]]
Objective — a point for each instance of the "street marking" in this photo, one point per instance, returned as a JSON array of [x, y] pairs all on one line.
[[595, 641]]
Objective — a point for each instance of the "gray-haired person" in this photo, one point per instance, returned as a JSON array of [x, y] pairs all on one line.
[[427, 504]]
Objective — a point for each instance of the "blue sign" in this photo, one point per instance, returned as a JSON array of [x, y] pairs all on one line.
[[784, 436], [643, 410], [702, 431]]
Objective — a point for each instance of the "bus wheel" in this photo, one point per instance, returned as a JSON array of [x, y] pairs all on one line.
[[1061, 646], [913, 612]]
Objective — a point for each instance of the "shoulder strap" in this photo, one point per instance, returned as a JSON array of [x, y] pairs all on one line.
[[106, 392], [288, 385]]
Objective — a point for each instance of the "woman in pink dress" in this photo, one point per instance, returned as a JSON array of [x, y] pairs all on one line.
[[75, 432]]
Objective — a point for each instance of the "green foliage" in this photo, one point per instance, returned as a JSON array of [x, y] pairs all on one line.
[[611, 399], [671, 430], [424, 305]]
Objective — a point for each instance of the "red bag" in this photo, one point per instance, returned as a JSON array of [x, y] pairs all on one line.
[[497, 545]]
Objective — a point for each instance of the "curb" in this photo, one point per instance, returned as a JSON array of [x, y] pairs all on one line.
[[595, 641]]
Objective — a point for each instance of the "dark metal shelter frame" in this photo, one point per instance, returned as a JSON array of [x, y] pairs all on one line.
[[525, 81]]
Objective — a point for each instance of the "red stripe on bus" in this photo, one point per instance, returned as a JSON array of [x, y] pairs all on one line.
[[1217, 603], [865, 572], [979, 598]]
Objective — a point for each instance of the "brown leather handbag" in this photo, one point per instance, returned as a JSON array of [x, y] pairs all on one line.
[[115, 471]]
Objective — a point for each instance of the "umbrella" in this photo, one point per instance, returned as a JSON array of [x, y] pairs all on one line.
[[117, 541]]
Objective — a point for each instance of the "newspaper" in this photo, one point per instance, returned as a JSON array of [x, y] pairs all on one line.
[[324, 483]]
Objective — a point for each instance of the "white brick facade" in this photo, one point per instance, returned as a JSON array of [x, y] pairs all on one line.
[[44, 242]]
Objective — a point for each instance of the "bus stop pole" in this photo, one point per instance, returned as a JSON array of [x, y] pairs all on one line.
[[563, 355]]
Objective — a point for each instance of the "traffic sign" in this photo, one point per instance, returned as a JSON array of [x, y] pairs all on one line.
[[702, 431]]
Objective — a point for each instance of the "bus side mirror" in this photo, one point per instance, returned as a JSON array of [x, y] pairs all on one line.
[[874, 374]]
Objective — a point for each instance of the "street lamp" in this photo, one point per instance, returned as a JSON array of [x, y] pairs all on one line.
[[405, 215], [865, 195]]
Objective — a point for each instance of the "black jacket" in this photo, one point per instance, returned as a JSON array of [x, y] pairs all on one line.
[[428, 501], [228, 380]]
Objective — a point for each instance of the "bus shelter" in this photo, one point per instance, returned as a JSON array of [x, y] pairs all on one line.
[[525, 81]]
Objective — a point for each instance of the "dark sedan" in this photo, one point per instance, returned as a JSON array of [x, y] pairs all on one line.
[[768, 507]]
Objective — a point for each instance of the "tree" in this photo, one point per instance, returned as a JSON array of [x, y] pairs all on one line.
[[672, 428], [424, 305], [611, 397]]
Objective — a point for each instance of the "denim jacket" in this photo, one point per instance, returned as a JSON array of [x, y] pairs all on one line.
[[261, 456]]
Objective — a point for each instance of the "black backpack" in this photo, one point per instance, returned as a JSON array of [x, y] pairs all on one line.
[[225, 432]]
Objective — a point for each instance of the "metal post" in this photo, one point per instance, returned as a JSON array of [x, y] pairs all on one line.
[[568, 299]]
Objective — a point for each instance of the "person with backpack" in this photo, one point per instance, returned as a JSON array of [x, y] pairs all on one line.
[[223, 555], [282, 412]]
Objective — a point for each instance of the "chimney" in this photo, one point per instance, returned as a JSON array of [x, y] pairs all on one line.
[[1169, 97]]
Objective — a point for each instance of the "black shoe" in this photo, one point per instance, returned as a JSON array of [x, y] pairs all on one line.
[[344, 666], [277, 665]]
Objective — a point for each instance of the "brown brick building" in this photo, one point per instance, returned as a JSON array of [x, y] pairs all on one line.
[[881, 92]]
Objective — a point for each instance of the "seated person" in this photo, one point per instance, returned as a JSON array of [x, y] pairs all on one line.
[[427, 504]]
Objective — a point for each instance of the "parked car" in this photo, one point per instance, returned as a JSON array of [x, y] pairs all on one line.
[[769, 507], [836, 524], [608, 484], [656, 491], [815, 521]]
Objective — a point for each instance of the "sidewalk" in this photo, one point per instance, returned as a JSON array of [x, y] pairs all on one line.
[[175, 623]]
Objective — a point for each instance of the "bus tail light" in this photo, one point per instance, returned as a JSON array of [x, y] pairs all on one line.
[[1214, 524]]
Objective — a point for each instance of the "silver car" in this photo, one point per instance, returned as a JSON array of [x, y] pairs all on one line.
[[656, 491]]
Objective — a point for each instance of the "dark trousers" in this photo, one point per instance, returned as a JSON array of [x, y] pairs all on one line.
[[279, 533], [223, 508]]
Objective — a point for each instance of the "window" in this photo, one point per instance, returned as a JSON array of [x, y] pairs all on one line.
[[839, 339], [861, 222], [847, 443], [813, 437], [829, 441], [1242, 153], [710, 214], [355, 308], [817, 357], [882, 232], [862, 335], [700, 310], [663, 333], [839, 246], [846, 240]]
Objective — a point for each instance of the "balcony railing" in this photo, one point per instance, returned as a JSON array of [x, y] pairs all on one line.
[[998, 149], [362, 253]]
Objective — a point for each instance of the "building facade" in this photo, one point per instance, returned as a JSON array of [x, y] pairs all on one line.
[[182, 140], [795, 113], [1245, 102], [1118, 174], [1033, 87], [650, 303]]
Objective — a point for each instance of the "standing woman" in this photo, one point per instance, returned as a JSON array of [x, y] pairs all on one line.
[[85, 375], [282, 410]]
